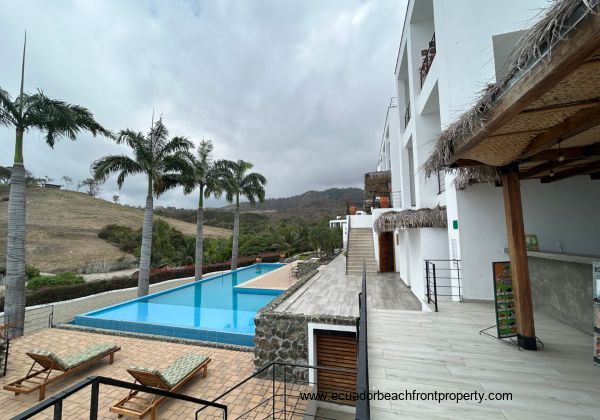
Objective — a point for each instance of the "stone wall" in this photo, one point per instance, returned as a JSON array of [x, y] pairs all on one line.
[[3, 350], [283, 337], [563, 291]]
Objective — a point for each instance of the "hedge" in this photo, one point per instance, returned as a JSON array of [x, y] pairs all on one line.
[[59, 293], [62, 279]]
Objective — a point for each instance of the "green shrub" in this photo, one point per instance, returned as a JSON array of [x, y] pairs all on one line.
[[63, 279], [31, 271]]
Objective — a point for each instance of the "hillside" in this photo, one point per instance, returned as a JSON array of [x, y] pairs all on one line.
[[62, 228], [329, 203], [312, 205]]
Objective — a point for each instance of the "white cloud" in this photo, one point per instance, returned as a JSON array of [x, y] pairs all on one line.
[[297, 88]]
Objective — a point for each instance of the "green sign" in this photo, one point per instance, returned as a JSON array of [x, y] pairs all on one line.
[[506, 317]]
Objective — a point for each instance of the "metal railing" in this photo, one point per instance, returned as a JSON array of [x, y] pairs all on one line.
[[363, 409], [56, 401], [287, 385], [449, 273], [407, 114], [348, 242], [35, 319], [428, 56]]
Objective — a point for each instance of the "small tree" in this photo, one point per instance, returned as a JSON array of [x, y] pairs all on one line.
[[67, 180], [92, 186], [116, 199]]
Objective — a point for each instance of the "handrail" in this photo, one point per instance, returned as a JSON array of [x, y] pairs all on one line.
[[431, 278], [348, 243], [95, 381], [363, 409], [269, 366]]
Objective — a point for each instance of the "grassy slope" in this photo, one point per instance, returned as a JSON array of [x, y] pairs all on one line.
[[62, 228]]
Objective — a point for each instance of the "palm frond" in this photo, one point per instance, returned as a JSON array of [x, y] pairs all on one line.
[[8, 112], [176, 144], [107, 165], [58, 118]]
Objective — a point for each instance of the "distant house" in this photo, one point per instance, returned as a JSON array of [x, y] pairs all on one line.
[[53, 186]]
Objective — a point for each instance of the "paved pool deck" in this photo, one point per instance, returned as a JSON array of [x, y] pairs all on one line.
[[279, 279], [227, 368]]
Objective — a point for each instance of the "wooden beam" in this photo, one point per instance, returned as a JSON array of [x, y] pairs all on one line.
[[576, 124], [544, 167], [462, 163], [544, 75], [515, 230], [568, 153], [574, 171]]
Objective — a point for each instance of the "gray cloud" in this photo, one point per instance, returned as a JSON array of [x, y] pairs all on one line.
[[299, 88]]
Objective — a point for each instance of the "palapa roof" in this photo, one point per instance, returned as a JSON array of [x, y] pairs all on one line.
[[408, 219], [543, 115]]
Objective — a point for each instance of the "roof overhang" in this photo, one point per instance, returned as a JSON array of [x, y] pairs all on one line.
[[543, 117]]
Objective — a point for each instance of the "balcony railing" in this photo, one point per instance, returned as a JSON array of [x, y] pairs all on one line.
[[407, 112], [428, 56]]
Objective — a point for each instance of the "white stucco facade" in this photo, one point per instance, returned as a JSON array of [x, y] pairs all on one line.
[[470, 47]]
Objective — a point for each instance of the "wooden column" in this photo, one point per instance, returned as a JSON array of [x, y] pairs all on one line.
[[518, 258]]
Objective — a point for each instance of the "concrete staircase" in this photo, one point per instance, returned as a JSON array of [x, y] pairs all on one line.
[[360, 247]]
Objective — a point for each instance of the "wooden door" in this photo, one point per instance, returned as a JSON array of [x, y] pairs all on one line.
[[336, 349], [386, 252]]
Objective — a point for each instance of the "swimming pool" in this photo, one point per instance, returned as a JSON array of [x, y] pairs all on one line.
[[213, 309]]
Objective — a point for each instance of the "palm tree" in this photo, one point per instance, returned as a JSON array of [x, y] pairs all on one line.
[[248, 185], [210, 179], [56, 119], [161, 160]]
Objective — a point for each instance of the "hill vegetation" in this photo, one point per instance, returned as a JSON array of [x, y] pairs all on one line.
[[63, 227]]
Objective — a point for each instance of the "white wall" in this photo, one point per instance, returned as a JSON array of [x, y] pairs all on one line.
[[362, 221], [564, 216], [464, 30]]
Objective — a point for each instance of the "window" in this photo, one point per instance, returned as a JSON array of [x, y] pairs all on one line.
[[441, 176]]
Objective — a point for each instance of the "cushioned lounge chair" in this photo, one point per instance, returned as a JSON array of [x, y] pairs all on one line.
[[48, 367], [172, 378]]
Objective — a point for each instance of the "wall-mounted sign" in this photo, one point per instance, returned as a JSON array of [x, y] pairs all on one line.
[[506, 319], [532, 243]]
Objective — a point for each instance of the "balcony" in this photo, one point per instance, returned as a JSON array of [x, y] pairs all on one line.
[[428, 56]]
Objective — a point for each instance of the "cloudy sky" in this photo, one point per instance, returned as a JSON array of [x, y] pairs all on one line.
[[299, 88]]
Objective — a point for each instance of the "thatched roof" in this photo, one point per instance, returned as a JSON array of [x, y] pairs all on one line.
[[476, 175], [535, 48], [421, 218]]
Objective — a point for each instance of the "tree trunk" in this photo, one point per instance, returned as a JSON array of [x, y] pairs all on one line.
[[199, 237], [236, 235], [146, 251], [14, 304]]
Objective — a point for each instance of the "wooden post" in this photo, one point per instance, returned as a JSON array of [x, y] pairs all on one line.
[[518, 257]]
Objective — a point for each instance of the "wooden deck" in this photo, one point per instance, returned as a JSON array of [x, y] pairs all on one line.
[[332, 292], [444, 352]]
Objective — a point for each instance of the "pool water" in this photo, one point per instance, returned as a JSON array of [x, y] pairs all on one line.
[[212, 309]]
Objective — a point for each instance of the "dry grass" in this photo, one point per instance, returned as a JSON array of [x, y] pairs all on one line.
[[62, 228]]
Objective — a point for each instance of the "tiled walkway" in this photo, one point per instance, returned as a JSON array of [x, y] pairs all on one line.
[[444, 352], [226, 369], [332, 292]]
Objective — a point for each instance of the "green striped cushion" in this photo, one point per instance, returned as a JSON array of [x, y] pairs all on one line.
[[73, 360], [177, 370]]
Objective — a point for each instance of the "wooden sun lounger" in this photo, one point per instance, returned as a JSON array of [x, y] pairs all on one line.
[[53, 368], [137, 406]]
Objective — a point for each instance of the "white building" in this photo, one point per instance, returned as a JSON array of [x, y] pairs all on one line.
[[448, 53]]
